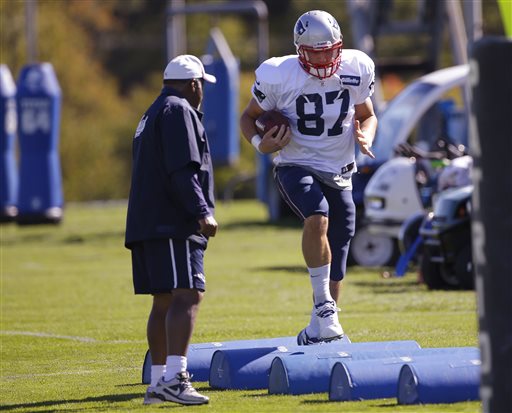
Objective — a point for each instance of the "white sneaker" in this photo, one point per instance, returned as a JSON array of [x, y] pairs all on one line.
[[178, 390], [304, 339], [309, 334], [149, 398], [329, 327], [323, 326]]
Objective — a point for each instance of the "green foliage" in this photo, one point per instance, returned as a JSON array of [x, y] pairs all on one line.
[[109, 55], [73, 334], [95, 121]]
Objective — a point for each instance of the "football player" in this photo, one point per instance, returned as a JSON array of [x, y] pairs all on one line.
[[324, 91]]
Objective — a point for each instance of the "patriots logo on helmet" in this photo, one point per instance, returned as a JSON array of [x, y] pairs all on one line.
[[299, 28]]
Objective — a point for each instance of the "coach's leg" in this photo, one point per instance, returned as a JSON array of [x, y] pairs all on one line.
[[156, 335], [157, 339], [188, 283], [180, 323], [181, 319], [175, 385]]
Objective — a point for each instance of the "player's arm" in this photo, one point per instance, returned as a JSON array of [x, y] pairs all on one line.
[[275, 139], [365, 126], [247, 121]]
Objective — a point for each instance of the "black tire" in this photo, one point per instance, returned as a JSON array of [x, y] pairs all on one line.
[[464, 273], [431, 272]]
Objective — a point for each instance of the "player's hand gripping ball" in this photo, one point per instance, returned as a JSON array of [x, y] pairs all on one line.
[[270, 119]]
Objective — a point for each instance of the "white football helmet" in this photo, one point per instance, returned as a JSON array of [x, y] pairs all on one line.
[[318, 39]]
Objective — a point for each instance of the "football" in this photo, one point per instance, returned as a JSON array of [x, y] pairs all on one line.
[[270, 119]]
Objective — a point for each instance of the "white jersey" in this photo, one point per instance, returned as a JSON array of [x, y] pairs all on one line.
[[321, 112]]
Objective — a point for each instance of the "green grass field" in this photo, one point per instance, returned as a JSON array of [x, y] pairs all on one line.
[[73, 334]]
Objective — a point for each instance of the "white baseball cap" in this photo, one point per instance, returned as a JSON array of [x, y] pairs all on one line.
[[187, 67]]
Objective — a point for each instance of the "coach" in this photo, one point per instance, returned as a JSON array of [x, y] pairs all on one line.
[[169, 220]]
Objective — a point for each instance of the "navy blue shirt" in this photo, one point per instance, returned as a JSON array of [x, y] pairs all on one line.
[[172, 178]]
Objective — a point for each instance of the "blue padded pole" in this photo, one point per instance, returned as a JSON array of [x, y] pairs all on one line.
[[249, 368], [439, 382], [199, 355], [242, 369], [310, 373], [376, 379]]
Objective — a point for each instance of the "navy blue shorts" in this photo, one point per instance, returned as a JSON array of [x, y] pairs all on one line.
[[161, 265], [307, 196]]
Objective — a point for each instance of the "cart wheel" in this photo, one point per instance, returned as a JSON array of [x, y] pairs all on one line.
[[370, 250], [431, 273], [464, 269]]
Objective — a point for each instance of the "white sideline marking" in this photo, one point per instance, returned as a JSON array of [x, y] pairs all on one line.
[[63, 337], [68, 373], [48, 335]]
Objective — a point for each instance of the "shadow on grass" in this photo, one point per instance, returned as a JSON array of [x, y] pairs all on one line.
[[98, 236], [317, 402], [258, 395], [112, 398], [56, 238], [131, 385], [392, 405], [289, 222], [287, 268], [383, 287], [205, 387]]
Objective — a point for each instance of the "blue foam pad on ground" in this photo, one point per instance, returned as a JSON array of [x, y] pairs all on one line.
[[376, 379], [439, 382], [249, 368], [242, 368], [311, 373], [199, 355]]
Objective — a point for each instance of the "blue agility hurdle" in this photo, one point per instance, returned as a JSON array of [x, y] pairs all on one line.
[[376, 379], [310, 373], [199, 355], [250, 368], [439, 382]]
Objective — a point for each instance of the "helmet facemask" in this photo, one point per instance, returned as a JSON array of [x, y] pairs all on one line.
[[320, 62]]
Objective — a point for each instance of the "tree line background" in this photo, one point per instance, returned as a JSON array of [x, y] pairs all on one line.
[[109, 57]]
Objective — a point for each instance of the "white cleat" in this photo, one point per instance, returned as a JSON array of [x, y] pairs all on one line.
[[323, 327], [304, 339], [329, 327]]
